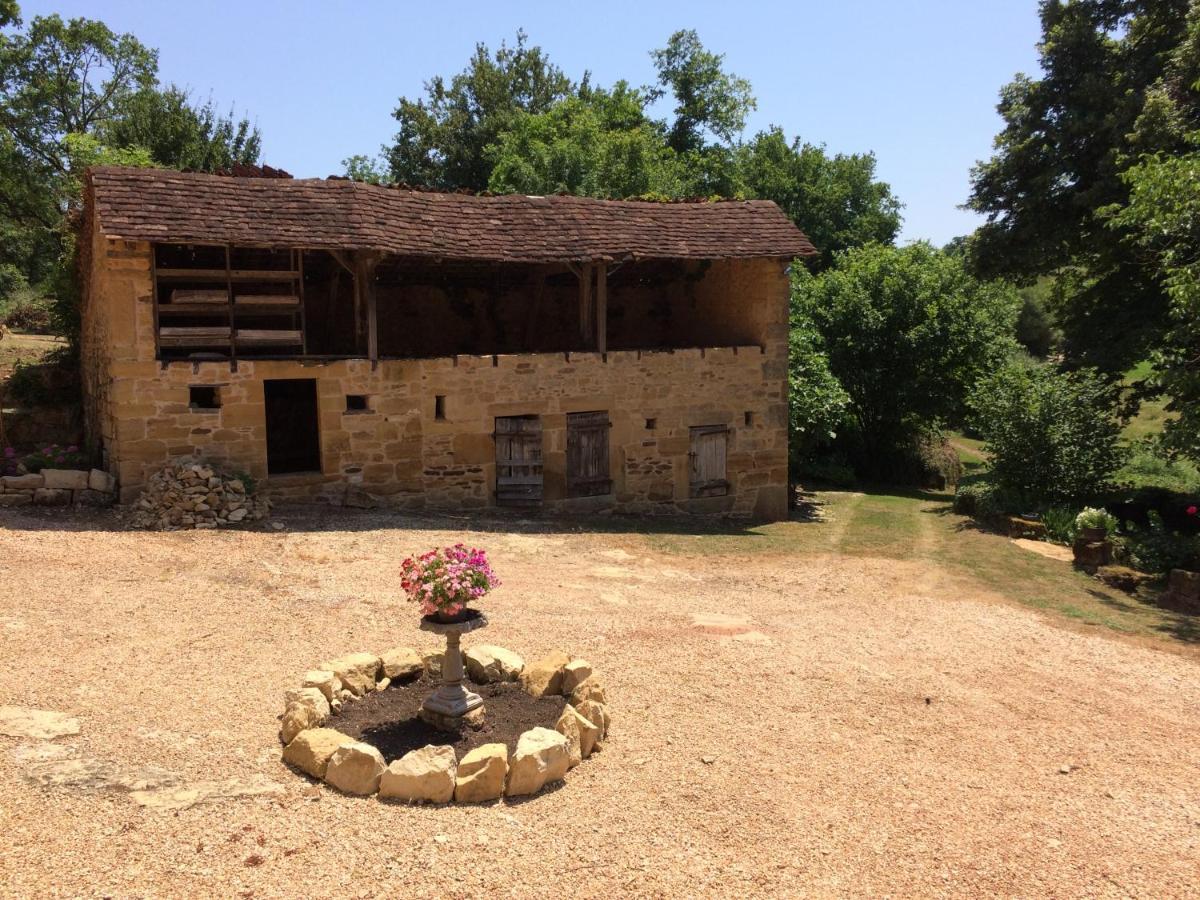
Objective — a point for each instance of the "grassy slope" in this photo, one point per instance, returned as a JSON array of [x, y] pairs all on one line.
[[921, 528]]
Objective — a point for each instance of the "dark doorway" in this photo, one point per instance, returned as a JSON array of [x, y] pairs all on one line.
[[293, 440]]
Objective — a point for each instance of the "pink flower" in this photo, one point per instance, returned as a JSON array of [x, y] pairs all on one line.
[[1191, 510]]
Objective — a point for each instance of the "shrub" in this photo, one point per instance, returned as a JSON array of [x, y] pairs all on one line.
[[1157, 549], [817, 401], [1053, 436], [1148, 465], [831, 470], [1094, 517], [8, 461], [986, 500], [1060, 524], [55, 456], [27, 313]]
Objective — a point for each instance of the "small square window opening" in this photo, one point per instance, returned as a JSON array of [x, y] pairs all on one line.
[[651, 424], [357, 403], [439, 407], [749, 418], [204, 397]]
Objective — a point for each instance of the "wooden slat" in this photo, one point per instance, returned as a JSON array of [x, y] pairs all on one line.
[[602, 307], [281, 300], [709, 449], [213, 296], [587, 454], [235, 274], [265, 336]]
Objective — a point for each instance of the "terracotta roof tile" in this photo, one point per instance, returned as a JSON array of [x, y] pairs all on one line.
[[164, 205]]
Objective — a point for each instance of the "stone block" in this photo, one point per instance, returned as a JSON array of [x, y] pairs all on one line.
[[421, 776], [23, 498], [22, 482], [541, 757], [356, 768], [544, 677], [481, 774]]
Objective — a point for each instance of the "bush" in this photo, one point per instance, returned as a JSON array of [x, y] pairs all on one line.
[[833, 471], [52, 382], [27, 313], [1060, 524], [1148, 465], [55, 456], [1053, 436], [1157, 549], [985, 500], [8, 461]]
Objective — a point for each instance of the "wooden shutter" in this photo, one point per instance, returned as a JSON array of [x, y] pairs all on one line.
[[587, 454], [518, 461], [710, 444]]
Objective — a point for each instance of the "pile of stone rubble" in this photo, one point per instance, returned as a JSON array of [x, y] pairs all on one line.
[[196, 495]]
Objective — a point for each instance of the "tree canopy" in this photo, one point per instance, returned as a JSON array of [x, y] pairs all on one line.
[[1066, 139], [908, 331]]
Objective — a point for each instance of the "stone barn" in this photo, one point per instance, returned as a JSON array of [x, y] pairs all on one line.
[[372, 345]]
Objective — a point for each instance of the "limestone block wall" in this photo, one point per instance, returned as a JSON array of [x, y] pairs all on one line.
[[400, 453]]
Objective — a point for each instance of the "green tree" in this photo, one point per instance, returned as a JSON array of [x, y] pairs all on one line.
[[708, 100], [835, 199], [817, 402], [1058, 162], [599, 143], [444, 137], [1053, 437], [908, 333], [182, 134], [1164, 212], [371, 170]]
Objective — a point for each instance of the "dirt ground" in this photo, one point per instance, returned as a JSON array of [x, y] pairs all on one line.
[[872, 726]]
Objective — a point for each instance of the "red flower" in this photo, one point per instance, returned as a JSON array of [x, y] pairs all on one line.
[[1191, 510]]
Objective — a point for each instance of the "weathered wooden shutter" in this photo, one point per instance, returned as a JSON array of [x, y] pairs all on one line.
[[587, 454], [518, 461], [709, 446]]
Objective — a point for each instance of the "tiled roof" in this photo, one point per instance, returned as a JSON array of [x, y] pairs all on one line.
[[169, 206]]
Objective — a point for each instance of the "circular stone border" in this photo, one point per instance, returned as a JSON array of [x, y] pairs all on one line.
[[433, 774]]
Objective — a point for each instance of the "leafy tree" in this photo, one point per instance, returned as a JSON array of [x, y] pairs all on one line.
[[361, 167], [1058, 162], [59, 78], [597, 144], [1054, 437], [835, 199], [908, 333], [1164, 212], [444, 137], [817, 401], [10, 13], [707, 98], [1036, 330], [181, 134]]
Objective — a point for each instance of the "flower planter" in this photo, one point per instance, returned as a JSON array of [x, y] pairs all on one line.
[[1093, 534]]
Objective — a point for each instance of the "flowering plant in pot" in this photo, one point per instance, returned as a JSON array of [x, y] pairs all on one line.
[[1095, 524], [443, 581]]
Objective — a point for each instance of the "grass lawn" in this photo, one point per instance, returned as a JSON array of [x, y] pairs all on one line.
[[920, 527]]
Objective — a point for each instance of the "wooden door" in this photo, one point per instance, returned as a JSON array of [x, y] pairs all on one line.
[[293, 437], [518, 461], [587, 454], [710, 444]]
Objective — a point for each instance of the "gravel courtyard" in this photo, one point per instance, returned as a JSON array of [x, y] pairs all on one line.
[[784, 723]]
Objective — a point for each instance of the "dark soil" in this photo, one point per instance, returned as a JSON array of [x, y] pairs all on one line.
[[388, 721]]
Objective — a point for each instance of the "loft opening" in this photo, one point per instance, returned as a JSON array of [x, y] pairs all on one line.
[[230, 302]]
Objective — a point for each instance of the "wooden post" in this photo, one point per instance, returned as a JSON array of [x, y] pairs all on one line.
[[586, 319], [602, 307], [366, 262], [539, 289]]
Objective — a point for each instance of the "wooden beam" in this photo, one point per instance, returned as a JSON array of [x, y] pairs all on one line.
[[586, 320], [602, 307]]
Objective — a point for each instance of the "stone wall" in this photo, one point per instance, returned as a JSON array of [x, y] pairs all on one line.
[[57, 487], [400, 453]]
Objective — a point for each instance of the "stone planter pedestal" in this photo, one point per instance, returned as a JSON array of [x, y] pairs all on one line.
[[451, 706]]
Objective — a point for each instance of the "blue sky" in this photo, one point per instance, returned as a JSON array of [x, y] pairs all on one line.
[[916, 82]]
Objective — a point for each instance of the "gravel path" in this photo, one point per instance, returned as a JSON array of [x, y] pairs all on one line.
[[873, 727]]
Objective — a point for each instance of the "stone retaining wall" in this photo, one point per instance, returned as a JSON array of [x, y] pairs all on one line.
[[58, 487]]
